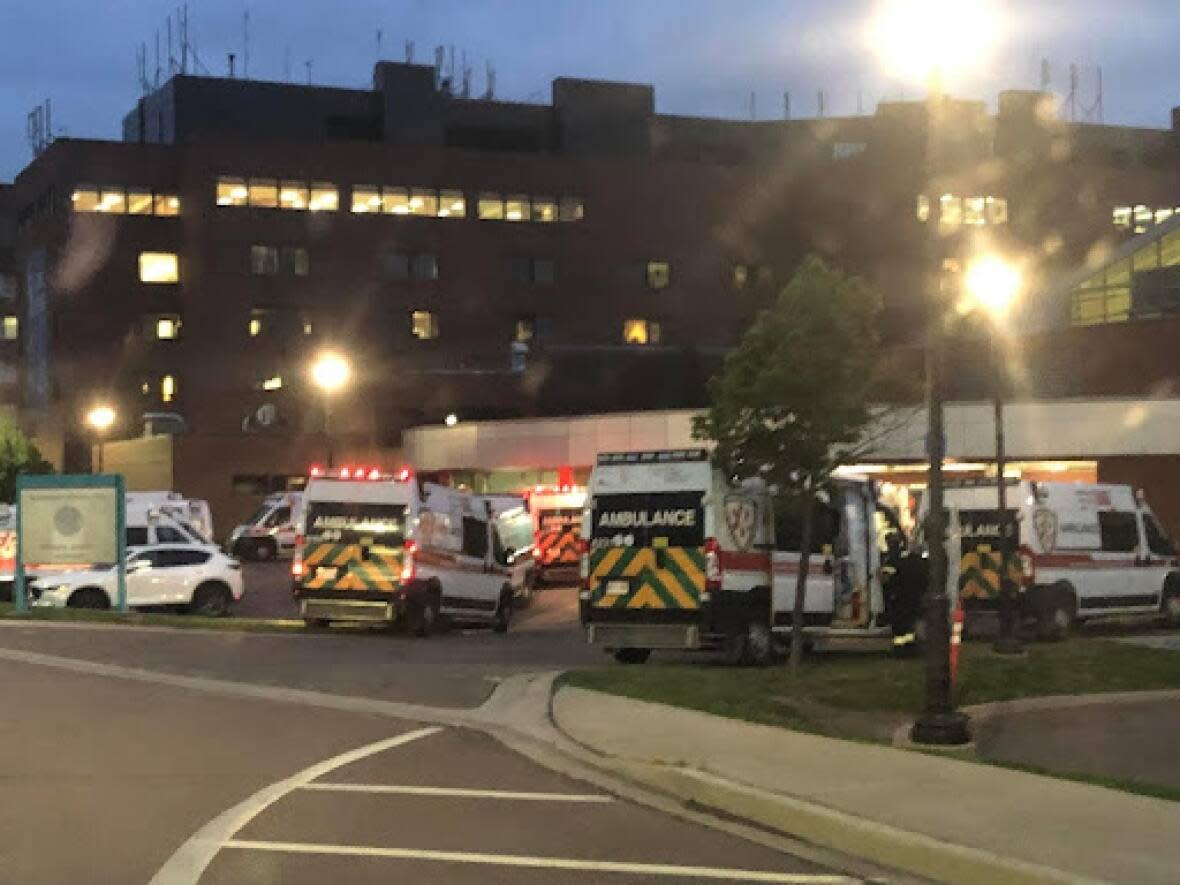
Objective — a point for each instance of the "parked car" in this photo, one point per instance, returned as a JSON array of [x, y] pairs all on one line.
[[199, 578]]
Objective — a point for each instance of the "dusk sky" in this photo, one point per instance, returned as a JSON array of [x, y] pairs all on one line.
[[703, 56]]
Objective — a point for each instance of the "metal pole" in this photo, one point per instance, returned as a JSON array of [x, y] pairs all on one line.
[[939, 723], [328, 427], [1008, 640]]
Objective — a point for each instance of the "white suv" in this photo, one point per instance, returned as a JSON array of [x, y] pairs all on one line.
[[200, 578]]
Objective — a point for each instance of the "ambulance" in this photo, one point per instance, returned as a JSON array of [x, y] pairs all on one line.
[[1083, 551], [557, 520], [675, 557], [270, 532], [380, 547]]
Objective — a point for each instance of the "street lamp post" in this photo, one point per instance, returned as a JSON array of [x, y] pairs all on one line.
[[993, 285], [100, 419], [329, 372]]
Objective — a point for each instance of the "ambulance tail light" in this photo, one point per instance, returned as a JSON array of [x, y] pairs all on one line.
[[410, 562], [405, 474], [584, 563], [713, 572], [346, 473], [297, 569], [1028, 567]]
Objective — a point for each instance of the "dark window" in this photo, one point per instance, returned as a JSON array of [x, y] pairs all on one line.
[[788, 529], [180, 558], [544, 271], [294, 260], [1120, 532], [409, 266], [1157, 542], [166, 534], [425, 267], [264, 260], [475, 537], [281, 516], [137, 536], [395, 266]]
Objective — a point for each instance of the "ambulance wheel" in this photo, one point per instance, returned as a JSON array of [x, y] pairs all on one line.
[[503, 611], [1055, 614], [263, 550], [1170, 606], [632, 655], [759, 645]]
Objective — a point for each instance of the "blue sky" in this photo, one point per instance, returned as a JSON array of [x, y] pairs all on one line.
[[703, 56]]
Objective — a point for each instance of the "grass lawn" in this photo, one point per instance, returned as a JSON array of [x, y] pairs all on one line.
[[180, 622], [877, 686]]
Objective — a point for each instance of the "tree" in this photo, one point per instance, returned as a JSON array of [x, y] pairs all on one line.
[[18, 455], [793, 401]]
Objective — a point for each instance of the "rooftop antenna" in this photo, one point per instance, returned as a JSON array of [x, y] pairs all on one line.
[[231, 65], [141, 68], [819, 103], [378, 44], [1072, 99], [307, 64], [440, 57], [860, 103], [1098, 111], [490, 74], [1045, 79], [287, 63], [182, 20], [171, 57], [465, 90], [409, 52], [753, 105], [246, 45], [787, 105], [157, 58]]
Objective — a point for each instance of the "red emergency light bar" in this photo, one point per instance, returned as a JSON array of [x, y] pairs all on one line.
[[371, 474]]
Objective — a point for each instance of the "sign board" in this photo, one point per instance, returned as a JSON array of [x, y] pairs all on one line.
[[70, 521]]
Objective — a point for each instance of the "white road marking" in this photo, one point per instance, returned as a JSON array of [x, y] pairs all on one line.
[[455, 792], [188, 864], [546, 863]]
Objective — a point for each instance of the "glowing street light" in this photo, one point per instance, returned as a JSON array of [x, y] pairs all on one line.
[[993, 284], [921, 40], [330, 372], [100, 419], [451, 420]]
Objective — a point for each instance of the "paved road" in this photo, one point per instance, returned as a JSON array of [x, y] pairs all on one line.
[[107, 780], [456, 669], [1135, 741]]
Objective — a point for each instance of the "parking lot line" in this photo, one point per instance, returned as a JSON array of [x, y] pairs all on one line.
[[547, 863], [455, 792], [190, 861]]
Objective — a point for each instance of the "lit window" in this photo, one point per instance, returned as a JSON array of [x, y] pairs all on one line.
[[168, 388], [10, 328], [641, 332], [491, 207], [997, 210], [1162, 215], [307, 327], [395, 201], [139, 202], [451, 204], [424, 325], [145, 388], [973, 210], [324, 197], [264, 193], [232, 191], [159, 267], [572, 209], [544, 209], [293, 195], [516, 208], [526, 330], [741, 276], [366, 198], [1121, 217], [264, 260], [255, 326], [1142, 214], [275, 382], [923, 208], [85, 198], [950, 211], [167, 327], [167, 205], [659, 274], [114, 200], [424, 202]]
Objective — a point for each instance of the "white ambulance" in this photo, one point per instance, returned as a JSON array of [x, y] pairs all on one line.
[[270, 532], [675, 557], [373, 546], [1084, 551], [557, 520]]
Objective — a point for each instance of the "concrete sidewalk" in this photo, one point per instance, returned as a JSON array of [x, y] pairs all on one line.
[[940, 818]]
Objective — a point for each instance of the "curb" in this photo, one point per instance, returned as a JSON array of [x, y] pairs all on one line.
[[824, 827]]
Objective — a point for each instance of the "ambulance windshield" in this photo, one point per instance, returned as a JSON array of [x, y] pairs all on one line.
[[349, 522], [649, 519]]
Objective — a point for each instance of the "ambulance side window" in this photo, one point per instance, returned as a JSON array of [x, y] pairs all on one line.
[[475, 537], [1119, 531], [1157, 542], [788, 528], [280, 516]]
